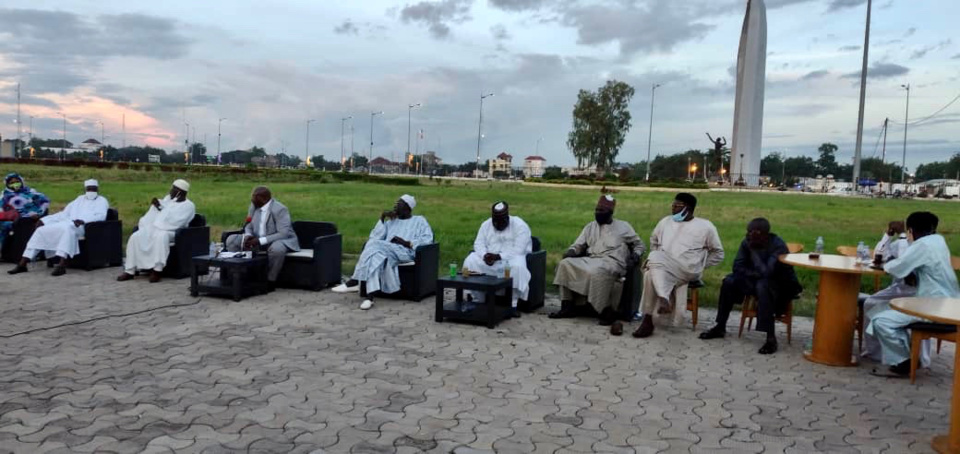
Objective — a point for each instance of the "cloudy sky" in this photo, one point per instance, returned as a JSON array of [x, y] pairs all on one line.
[[269, 66]]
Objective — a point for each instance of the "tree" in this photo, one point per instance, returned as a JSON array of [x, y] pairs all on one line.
[[552, 173], [934, 170], [601, 121], [827, 163], [675, 167], [197, 152], [772, 166], [799, 167]]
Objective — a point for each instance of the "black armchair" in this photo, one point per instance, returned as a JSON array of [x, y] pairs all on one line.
[[102, 244], [188, 242], [318, 263], [630, 295], [418, 280], [16, 241], [537, 265]]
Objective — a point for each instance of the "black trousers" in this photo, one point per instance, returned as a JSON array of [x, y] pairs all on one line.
[[769, 299]]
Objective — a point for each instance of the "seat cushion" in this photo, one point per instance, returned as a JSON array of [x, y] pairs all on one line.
[[933, 327], [301, 254]]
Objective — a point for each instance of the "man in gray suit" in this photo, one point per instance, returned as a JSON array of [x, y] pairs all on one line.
[[269, 228]]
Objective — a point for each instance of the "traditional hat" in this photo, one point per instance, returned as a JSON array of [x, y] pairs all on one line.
[[607, 201], [91, 182], [409, 200], [182, 184]]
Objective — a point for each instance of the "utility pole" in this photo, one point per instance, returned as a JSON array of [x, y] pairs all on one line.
[[863, 96], [906, 123], [123, 126], [306, 152], [63, 144], [342, 122], [480, 129], [372, 114], [219, 122], [653, 94], [19, 148], [409, 110]]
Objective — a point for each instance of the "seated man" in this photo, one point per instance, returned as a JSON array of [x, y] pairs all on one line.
[[149, 246], [19, 201], [758, 272], [892, 246], [926, 262], [681, 246], [503, 240], [269, 229], [394, 240], [59, 234], [595, 262]]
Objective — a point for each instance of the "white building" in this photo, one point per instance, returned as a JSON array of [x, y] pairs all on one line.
[[503, 164], [534, 166]]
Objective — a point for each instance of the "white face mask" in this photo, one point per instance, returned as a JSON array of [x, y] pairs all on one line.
[[90, 195]]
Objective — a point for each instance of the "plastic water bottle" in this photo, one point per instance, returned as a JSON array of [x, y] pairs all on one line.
[[862, 253], [818, 248], [213, 249]]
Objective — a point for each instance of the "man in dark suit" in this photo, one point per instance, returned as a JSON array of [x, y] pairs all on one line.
[[757, 271], [269, 229]]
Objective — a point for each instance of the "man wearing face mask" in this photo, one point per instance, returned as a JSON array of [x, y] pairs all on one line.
[[595, 262], [269, 229], [925, 264], [394, 240], [503, 240], [681, 246], [149, 246], [758, 272], [59, 234], [891, 247]]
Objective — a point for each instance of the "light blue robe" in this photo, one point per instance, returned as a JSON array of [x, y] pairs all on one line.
[[929, 259], [380, 258]]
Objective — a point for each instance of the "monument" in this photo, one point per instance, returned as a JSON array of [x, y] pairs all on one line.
[[748, 111]]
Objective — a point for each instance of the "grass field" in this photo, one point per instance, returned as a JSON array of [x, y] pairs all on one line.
[[556, 215]]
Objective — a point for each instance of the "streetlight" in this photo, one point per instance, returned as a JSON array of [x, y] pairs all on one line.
[[410, 109], [306, 152], [219, 121], [480, 129], [653, 94], [538, 145], [906, 121], [342, 121], [63, 144], [372, 114]]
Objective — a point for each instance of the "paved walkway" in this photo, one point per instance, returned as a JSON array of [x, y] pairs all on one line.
[[301, 372]]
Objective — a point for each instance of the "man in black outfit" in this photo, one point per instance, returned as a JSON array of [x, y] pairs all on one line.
[[757, 271]]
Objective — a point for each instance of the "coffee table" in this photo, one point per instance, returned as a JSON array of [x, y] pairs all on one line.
[[488, 312], [239, 277]]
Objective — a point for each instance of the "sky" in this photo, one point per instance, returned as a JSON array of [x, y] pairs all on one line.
[[269, 67]]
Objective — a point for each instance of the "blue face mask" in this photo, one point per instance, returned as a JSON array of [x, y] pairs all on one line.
[[679, 217]]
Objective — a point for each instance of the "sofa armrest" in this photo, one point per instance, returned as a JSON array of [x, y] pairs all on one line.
[[227, 233], [102, 231], [328, 254], [194, 240]]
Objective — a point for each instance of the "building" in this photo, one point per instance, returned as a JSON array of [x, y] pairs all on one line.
[[8, 148], [430, 160], [384, 165], [502, 165], [534, 166], [91, 145], [580, 171]]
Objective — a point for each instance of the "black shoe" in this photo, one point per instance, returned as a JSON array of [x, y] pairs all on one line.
[[717, 332], [514, 313], [18, 269], [646, 327], [607, 317], [769, 347], [902, 369], [59, 271], [567, 310]]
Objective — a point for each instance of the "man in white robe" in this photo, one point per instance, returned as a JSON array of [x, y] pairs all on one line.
[[149, 246], [593, 265], [59, 234], [927, 263], [503, 240], [893, 245], [394, 240], [681, 246]]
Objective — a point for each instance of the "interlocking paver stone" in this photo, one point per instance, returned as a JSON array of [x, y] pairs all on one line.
[[297, 371]]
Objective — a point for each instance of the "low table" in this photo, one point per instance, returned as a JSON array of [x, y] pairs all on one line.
[[239, 277], [489, 315]]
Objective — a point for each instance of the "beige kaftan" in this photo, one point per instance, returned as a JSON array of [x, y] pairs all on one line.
[[596, 276]]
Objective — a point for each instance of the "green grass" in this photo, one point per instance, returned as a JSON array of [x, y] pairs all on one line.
[[556, 215]]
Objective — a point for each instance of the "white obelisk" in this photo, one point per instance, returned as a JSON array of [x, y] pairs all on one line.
[[748, 113]]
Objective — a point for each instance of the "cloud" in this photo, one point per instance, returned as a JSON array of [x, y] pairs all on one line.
[[849, 48], [815, 74], [955, 57], [437, 15], [880, 71], [518, 5], [923, 51], [836, 5], [346, 28], [500, 32], [910, 32], [666, 24]]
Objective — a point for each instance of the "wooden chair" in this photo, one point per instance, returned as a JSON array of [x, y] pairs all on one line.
[[749, 311], [858, 324], [921, 331], [693, 300], [955, 263]]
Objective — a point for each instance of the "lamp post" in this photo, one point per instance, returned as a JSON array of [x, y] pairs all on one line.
[[306, 153], [653, 94], [538, 145], [63, 144], [219, 121], [480, 129], [372, 114], [906, 121], [342, 122], [409, 110]]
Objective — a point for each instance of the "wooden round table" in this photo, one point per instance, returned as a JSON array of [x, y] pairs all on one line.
[[836, 305], [940, 310]]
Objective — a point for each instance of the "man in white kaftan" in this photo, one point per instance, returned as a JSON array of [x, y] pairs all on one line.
[[59, 234], [681, 246], [593, 265], [893, 245], [149, 246], [503, 240], [394, 240], [926, 261]]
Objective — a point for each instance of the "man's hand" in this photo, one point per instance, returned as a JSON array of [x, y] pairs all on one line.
[[401, 241], [390, 214], [77, 222], [570, 253], [250, 241], [490, 259], [155, 203]]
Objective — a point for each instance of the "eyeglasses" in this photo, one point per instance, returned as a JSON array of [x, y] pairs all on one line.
[[678, 205]]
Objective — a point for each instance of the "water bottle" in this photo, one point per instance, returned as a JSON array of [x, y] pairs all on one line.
[[818, 248], [213, 249], [862, 253]]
